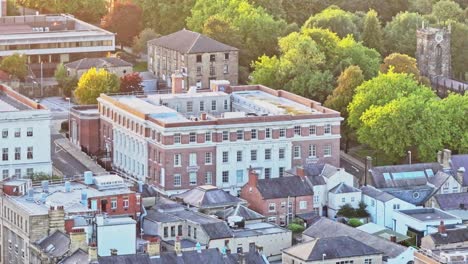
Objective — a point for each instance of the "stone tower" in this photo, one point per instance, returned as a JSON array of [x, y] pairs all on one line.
[[433, 51]]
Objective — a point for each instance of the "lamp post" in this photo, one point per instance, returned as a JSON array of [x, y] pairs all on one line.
[[323, 257], [409, 157], [42, 77]]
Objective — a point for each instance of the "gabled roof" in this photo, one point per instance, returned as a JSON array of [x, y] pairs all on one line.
[[240, 210], [208, 196], [323, 227], [206, 256], [331, 248], [451, 236], [417, 195], [376, 193], [452, 201], [126, 259], [88, 63], [460, 161], [344, 188], [78, 256], [283, 187], [186, 41], [401, 176], [217, 230], [55, 245]]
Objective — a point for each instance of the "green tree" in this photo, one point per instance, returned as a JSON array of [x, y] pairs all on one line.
[[400, 63], [361, 211], [354, 53], [140, 42], [347, 211], [454, 109], [400, 33], [372, 35], [12, 8], [447, 10], [422, 7], [67, 83], [327, 42], [15, 65], [94, 82], [125, 21], [339, 100], [459, 50], [335, 19]]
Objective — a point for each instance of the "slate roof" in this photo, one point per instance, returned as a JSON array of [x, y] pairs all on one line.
[[400, 176], [451, 236], [55, 245], [376, 193], [460, 161], [343, 188], [186, 41], [239, 210], [217, 230], [417, 195], [208, 196], [88, 63], [126, 259], [323, 227], [452, 201], [78, 256], [283, 187], [332, 247]]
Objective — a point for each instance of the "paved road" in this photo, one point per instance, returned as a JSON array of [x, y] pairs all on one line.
[[63, 161]]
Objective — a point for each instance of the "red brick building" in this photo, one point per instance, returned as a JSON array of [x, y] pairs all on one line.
[[279, 199], [84, 128]]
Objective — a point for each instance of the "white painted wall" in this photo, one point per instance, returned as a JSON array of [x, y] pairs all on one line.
[[272, 244], [382, 213], [450, 186], [121, 237], [335, 201], [402, 222]]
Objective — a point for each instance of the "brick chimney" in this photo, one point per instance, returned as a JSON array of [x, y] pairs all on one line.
[[441, 229], [460, 173], [56, 219], [177, 83], [178, 247], [203, 116], [92, 253], [446, 158], [393, 239], [154, 247], [253, 177], [78, 240], [439, 157], [300, 171]]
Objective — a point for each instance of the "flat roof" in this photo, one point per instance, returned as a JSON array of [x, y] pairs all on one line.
[[12, 101], [427, 214], [262, 228]]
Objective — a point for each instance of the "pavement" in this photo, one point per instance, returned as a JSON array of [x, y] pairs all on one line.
[[63, 162], [58, 106]]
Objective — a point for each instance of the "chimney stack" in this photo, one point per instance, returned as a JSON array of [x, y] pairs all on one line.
[[439, 157], [442, 230], [300, 171], [177, 83], [393, 239], [203, 116], [113, 252], [92, 253], [78, 240], [253, 177], [56, 219], [446, 158], [154, 247], [178, 247], [460, 175]]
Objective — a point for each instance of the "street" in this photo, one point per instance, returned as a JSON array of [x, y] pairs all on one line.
[[63, 161]]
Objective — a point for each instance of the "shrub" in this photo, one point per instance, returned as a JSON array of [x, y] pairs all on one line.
[[354, 222], [296, 228]]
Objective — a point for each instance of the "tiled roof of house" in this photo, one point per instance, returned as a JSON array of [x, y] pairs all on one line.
[[55, 245], [452, 201], [88, 63], [208, 196], [283, 187], [186, 41], [78, 256], [331, 248], [239, 210], [126, 259], [450, 236], [376, 193], [323, 227], [460, 161], [401, 176], [217, 230], [417, 195], [344, 188]]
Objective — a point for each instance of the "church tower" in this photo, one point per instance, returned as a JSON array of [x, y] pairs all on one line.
[[433, 51]]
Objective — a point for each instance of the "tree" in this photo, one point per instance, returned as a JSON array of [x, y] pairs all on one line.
[[447, 10], [347, 211], [400, 63], [335, 19], [140, 42], [94, 82], [422, 7], [67, 83], [372, 32], [361, 211], [12, 8], [354, 53], [459, 50], [453, 110], [15, 65], [349, 79], [125, 21], [400, 33], [131, 82]]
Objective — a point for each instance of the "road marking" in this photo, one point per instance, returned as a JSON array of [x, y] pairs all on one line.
[[57, 148]]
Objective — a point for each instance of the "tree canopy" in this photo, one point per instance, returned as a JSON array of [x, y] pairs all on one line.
[[131, 82], [400, 33], [337, 20], [15, 65], [125, 20], [94, 82], [140, 42], [372, 35]]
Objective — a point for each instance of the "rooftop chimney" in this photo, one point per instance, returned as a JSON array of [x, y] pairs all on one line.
[[113, 252], [446, 158], [78, 240], [154, 247], [393, 239], [253, 177], [92, 253], [56, 219], [439, 157], [300, 171], [203, 116], [460, 174], [442, 230], [177, 83], [178, 247]]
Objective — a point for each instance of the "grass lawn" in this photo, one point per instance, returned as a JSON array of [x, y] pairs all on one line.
[[140, 66]]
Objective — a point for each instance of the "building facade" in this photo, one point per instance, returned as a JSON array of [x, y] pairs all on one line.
[[181, 140], [199, 58], [25, 136], [433, 51]]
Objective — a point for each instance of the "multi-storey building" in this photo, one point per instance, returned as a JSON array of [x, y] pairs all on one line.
[[51, 39], [25, 136], [200, 58], [181, 140]]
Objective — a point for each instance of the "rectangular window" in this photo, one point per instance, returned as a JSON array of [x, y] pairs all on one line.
[[303, 205], [239, 155], [225, 157], [240, 134], [166, 231], [208, 159], [226, 104], [198, 84], [281, 171], [272, 219], [297, 130], [316, 198], [268, 133], [267, 173], [253, 133], [225, 175], [212, 57], [396, 207], [179, 230], [199, 58], [327, 151], [225, 135], [202, 106], [281, 153], [282, 132], [18, 173], [177, 138], [114, 203], [29, 132], [312, 151], [177, 160], [226, 56], [194, 233], [189, 106], [172, 231], [368, 261], [193, 159], [312, 130], [352, 199], [212, 70], [192, 137], [208, 137], [193, 178], [199, 70], [240, 176], [271, 207], [177, 180], [126, 203], [29, 172], [189, 231], [17, 153], [5, 154], [5, 133], [226, 69], [327, 129], [5, 174], [208, 177], [253, 155], [18, 132], [267, 154], [343, 200], [213, 105], [30, 153], [297, 152]]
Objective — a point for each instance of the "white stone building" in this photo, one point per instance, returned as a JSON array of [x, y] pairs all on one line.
[[25, 136]]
